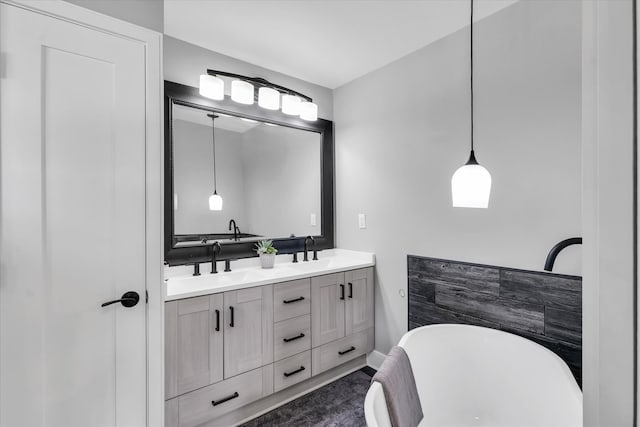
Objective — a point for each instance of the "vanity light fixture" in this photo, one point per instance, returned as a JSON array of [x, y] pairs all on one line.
[[270, 96], [215, 201], [471, 183]]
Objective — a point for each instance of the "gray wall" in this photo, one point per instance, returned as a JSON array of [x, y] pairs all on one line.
[[282, 180], [193, 178], [146, 13], [184, 62], [403, 130]]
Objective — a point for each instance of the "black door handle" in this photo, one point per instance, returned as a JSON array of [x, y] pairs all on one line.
[[297, 337], [288, 374], [217, 320], [341, 291], [289, 301], [231, 320], [350, 290], [225, 399], [129, 299], [349, 350]]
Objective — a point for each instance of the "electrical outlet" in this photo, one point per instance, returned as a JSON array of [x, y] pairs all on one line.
[[312, 220], [362, 220]]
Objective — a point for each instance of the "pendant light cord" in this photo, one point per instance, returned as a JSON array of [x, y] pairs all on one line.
[[471, 50], [213, 137]]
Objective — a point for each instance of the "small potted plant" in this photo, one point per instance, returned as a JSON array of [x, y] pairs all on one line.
[[267, 253]]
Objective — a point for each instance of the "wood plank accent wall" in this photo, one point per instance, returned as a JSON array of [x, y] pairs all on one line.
[[543, 307]]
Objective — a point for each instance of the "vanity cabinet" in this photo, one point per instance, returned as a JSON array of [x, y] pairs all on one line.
[[227, 350], [341, 317], [342, 304], [215, 337]]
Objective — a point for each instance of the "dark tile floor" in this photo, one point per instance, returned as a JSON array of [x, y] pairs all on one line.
[[339, 404]]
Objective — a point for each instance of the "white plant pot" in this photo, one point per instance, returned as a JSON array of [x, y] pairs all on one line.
[[267, 260]]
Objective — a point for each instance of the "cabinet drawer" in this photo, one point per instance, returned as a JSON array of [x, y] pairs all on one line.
[[330, 355], [291, 337], [215, 400], [291, 370], [291, 299]]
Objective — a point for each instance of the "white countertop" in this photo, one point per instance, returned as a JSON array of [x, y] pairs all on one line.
[[180, 282]]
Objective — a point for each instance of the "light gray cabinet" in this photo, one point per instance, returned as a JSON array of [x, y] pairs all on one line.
[[248, 329], [327, 308], [358, 300], [341, 305], [215, 337], [193, 344]]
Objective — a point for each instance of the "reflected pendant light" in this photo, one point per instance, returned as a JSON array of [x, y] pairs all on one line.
[[215, 201], [471, 183]]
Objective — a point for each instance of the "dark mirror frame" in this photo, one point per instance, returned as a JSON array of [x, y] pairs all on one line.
[[175, 93]]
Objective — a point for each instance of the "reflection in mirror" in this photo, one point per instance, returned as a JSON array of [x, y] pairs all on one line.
[[269, 177]]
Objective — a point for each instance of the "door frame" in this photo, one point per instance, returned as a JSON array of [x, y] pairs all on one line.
[[609, 213], [152, 41]]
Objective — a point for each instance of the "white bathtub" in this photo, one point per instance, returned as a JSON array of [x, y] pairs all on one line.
[[473, 376]]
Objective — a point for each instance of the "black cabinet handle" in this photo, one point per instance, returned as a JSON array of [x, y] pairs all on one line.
[[226, 399], [293, 338], [288, 374], [231, 320], [217, 320], [342, 353], [350, 290], [129, 299], [341, 291], [289, 301]]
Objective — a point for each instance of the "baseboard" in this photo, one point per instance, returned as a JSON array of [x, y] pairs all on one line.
[[375, 359]]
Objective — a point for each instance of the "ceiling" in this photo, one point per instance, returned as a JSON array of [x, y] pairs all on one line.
[[326, 42]]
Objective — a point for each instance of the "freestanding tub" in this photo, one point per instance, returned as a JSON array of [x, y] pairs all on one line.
[[473, 376]]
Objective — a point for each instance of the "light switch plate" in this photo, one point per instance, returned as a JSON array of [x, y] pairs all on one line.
[[312, 220], [362, 220]]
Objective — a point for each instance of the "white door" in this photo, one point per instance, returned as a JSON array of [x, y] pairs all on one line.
[[72, 224]]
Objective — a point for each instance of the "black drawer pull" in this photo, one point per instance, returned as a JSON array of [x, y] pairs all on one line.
[[341, 291], [293, 338], [226, 399], [288, 374], [289, 301], [217, 320], [231, 321], [341, 353], [350, 290]]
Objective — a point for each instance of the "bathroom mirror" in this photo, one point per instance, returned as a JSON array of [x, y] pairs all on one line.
[[273, 172]]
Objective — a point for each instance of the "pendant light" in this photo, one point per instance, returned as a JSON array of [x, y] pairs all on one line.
[[215, 201], [471, 183]]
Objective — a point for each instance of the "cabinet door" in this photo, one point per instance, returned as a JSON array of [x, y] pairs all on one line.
[[327, 308], [359, 300], [193, 347], [248, 329]]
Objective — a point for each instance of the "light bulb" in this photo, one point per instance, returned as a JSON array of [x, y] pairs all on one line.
[[291, 105], [242, 92], [215, 202], [471, 187], [308, 111], [268, 98], [212, 87]]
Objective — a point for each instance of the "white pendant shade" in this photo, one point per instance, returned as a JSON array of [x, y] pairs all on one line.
[[268, 98], [242, 92], [212, 87], [291, 105], [471, 187], [308, 111], [215, 202]]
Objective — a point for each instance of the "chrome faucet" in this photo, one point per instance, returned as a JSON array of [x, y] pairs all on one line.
[[236, 230], [313, 243], [215, 249]]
